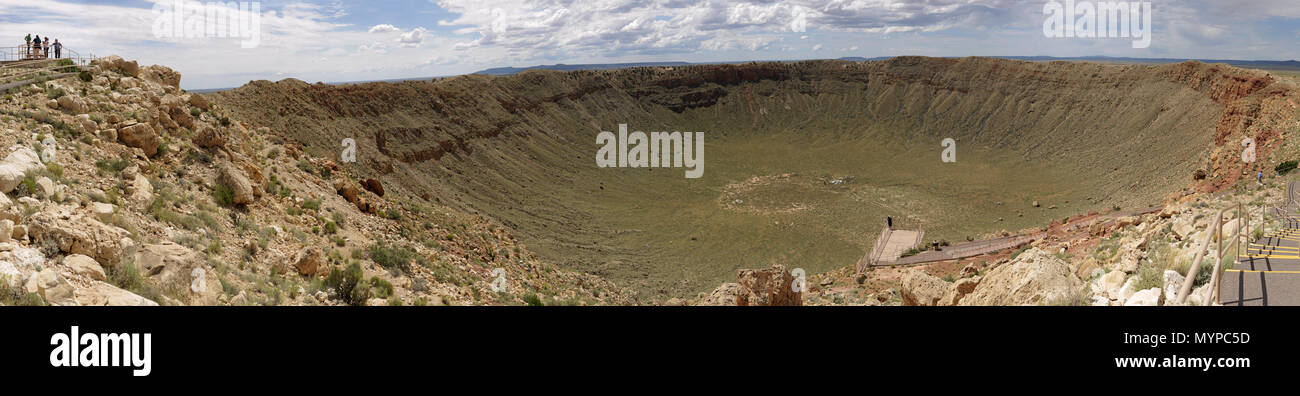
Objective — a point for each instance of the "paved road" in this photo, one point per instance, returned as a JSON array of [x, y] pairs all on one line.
[[986, 246], [1269, 273]]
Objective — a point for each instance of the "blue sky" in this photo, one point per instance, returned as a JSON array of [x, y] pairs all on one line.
[[333, 40]]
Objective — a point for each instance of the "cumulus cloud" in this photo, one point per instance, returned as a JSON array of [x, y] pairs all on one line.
[[384, 28], [413, 38], [680, 25], [492, 33]]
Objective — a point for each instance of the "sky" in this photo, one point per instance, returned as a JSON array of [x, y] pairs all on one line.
[[337, 41]]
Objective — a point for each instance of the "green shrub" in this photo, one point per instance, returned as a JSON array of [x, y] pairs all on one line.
[[311, 203], [383, 288], [223, 195], [16, 296], [1148, 277], [306, 166], [533, 300], [331, 228], [346, 283], [1285, 167], [113, 166], [127, 276], [55, 170], [85, 76], [391, 257]]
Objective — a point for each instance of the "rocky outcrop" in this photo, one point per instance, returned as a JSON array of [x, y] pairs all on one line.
[[72, 104], [200, 102], [52, 287], [309, 262], [103, 294], [920, 288], [209, 137], [725, 295], [1035, 277], [6, 228], [1145, 298], [162, 75], [353, 195], [238, 183], [960, 288], [117, 64], [85, 266], [374, 186], [141, 136], [78, 235], [153, 259], [15, 166], [1110, 284], [772, 286]]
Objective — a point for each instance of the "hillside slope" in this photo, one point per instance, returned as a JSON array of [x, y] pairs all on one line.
[[518, 149], [127, 190]]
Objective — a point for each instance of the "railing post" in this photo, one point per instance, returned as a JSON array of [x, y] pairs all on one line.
[[1190, 277]]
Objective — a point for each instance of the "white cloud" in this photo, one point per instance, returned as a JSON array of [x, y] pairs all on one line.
[[634, 26], [490, 33], [413, 38], [384, 28]]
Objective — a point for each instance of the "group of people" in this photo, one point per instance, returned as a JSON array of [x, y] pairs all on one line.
[[40, 49]]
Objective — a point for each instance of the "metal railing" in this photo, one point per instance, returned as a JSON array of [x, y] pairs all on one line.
[[27, 53], [873, 255], [1243, 230]]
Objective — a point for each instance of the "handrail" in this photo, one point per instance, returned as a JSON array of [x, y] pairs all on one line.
[[23, 52], [876, 250], [1243, 229], [1190, 277]]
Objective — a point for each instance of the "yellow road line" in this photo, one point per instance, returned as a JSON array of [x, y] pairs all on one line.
[[1286, 238], [1266, 272], [1255, 245]]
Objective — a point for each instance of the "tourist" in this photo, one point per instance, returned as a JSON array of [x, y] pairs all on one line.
[[28, 46], [58, 49]]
